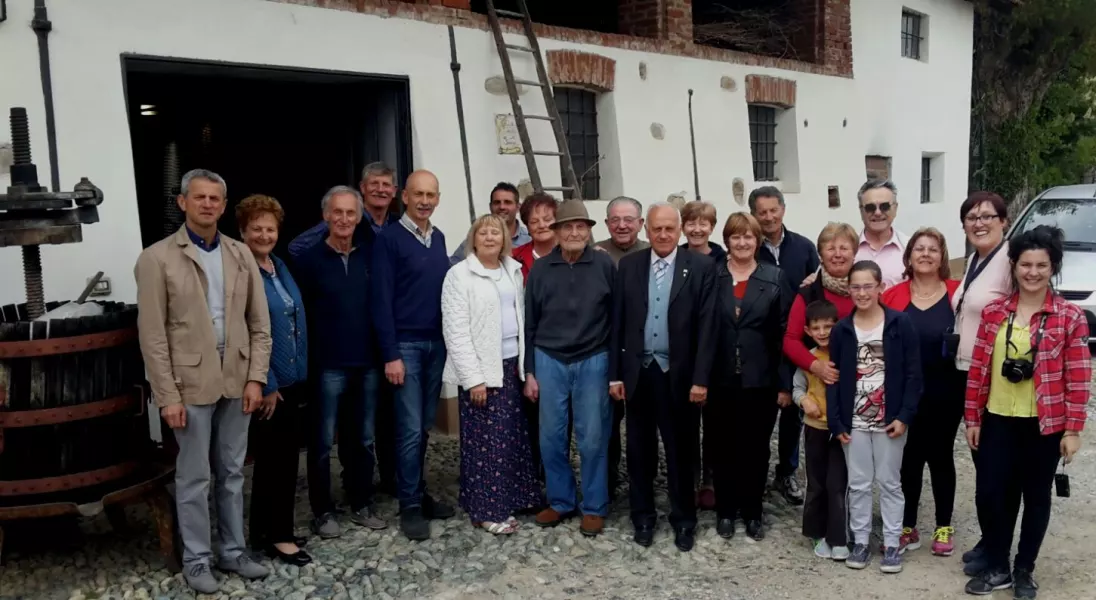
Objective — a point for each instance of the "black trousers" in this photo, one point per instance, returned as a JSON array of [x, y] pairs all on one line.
[[825, 511], [787, 448], [614, 447], [745, 418], [1017, 461], [653, 410], [384, 436], [931, 441], [275, 447]]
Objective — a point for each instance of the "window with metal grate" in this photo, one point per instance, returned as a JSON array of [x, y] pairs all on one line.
[[911, 34], [763, 141], [926, 179], [578, 116]]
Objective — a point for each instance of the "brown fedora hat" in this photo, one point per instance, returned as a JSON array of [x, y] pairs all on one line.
[[572, 210]]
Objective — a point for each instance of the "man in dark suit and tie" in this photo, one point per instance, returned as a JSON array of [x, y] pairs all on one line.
[[664, 326]]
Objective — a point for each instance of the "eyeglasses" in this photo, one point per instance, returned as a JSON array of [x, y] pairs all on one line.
[[972, 219], [870, 208], [868, 287]]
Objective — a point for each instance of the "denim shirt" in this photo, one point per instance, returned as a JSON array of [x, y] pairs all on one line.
[[288, 329]]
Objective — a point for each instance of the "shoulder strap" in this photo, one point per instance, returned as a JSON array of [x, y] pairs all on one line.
[[975, 269]]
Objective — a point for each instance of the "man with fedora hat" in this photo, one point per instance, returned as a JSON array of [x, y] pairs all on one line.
[[568, 307]]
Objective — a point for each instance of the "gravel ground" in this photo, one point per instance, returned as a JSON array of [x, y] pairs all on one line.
[[90, 561]]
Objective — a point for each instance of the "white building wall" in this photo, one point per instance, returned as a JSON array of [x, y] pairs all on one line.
[[893, 106]]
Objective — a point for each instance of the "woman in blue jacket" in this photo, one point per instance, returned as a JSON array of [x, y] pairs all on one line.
[[274, 443], [878, 359]]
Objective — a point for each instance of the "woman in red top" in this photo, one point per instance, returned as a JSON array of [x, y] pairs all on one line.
[[1025, 410], [925, 296], [538, 212], [837, 248]]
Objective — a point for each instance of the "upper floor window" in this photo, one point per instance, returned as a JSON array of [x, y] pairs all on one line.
[[578, 115], [926, 179], [763, 141], [912, 34]]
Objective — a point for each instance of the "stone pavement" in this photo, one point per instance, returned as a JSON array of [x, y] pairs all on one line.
[[463, 562]]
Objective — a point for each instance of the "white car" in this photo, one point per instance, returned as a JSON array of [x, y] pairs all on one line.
[[1073, 209]]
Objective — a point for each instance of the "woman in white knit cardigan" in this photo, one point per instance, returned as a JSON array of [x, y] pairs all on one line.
[[482, 308]]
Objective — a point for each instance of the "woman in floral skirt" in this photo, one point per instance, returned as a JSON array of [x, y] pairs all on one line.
[[482, 306]]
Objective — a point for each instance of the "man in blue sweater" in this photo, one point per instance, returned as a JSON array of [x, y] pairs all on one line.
[[334, 279], [798, 259], [409, 267]]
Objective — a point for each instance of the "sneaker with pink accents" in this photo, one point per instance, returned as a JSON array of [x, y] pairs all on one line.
[[910, 540], [943, 541]]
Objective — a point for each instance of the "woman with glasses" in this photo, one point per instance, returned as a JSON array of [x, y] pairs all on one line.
[[925, 296], [877, 355], [1025, 406], [985, 219]]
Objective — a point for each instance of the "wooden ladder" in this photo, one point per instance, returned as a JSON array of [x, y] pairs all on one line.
[[570, 181]]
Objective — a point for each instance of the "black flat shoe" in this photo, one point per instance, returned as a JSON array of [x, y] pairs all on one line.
[[725, 528], [644, 536], [755, 530], [300, 542], [684, 539], [300, 558]]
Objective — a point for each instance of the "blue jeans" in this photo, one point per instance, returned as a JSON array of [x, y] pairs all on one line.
[[586, 384], [348, 400], [416, 407]]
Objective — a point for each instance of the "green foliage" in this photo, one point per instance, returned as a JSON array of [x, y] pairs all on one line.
[[1033, 117]]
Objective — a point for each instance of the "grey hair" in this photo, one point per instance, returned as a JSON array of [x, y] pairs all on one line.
[[623, 199], [339, 190], [379, 168], [765, 191], [191, 175], [876, 184], [660, 204]]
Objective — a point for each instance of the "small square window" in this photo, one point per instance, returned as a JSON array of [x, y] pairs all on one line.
[[763, 141], [912, 34]]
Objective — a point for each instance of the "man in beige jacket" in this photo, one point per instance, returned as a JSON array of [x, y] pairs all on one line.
[[205, 337]]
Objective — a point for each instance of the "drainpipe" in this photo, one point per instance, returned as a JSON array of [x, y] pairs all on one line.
[[455, 67], [42, 26]]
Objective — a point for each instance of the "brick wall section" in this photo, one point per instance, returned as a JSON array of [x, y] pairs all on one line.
[[584, 69], [642, 18], [835, 40], [762, 89], [679, 23], [444, 15]]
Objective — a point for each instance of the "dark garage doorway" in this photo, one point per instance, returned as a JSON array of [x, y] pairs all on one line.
[[290, 134]]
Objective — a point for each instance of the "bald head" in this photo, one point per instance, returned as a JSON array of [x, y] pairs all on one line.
[[421, 197], [663, 228]]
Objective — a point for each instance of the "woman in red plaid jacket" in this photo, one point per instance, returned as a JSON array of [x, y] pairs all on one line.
[[1025, 407]]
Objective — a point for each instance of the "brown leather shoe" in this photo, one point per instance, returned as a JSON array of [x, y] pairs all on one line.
[[592, 525], [548, 518]]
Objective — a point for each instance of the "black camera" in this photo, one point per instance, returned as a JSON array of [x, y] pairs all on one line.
[[951, 344], [1017, 369]]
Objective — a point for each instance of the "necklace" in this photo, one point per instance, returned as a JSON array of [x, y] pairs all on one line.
[[929, 296]]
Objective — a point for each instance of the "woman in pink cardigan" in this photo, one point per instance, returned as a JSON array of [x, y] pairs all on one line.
[[987, 278]]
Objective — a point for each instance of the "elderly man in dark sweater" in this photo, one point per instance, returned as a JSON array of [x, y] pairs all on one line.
[[409, 267], [334, 278], [568, 306]]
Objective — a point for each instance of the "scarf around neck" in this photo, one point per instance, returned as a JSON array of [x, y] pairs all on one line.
[[835, 285]]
